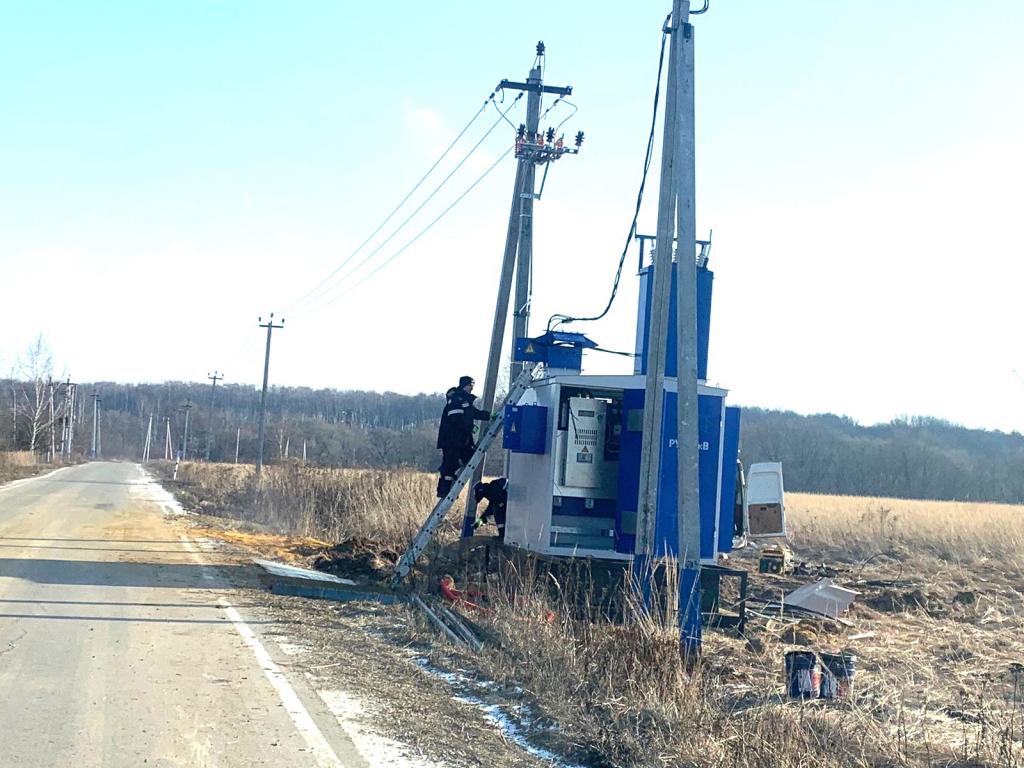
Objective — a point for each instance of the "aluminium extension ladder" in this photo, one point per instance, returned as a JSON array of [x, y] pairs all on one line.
[[441, 509]]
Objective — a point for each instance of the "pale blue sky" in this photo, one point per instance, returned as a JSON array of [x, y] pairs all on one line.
[[170, 171]]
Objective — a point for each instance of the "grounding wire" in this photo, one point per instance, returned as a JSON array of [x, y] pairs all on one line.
[[397, 208], [422, 232], [563, 319], [342, 278]]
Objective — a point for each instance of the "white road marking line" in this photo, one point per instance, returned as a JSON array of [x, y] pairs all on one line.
[[25, 480], [321, 750]]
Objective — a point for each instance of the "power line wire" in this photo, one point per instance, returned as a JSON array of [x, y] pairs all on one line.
[[563, 319], [417, 185], [342, 278], [401, 250]]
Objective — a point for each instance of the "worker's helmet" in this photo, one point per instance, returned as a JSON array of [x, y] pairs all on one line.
[[479, 490], [464, 380]]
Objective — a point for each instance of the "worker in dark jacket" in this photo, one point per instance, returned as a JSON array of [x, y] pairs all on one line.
[[455, 432], [496, 494]]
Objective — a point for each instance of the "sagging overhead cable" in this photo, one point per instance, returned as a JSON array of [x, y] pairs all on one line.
[[340, 279], [558, 319], [420, 234], [317, 288]]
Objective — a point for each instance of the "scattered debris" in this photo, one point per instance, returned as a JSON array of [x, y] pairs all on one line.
[[775, 558], [290, 580], [822, 597]]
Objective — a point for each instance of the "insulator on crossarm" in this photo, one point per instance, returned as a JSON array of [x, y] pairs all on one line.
[[579, 139], [550, 135], [521, 131]]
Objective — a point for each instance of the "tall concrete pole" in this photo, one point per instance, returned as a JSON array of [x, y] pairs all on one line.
[[651, 442], [686, 334], [524, 267], [269, 325]]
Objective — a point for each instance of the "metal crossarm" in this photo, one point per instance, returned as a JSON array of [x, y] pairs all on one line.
[[426, 532]]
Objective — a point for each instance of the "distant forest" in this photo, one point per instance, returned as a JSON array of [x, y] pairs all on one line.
[[912, 458]]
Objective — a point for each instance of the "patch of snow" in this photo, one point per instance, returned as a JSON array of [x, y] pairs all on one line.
[[291, 649], [510, 726], [376, 749], [151, 490]]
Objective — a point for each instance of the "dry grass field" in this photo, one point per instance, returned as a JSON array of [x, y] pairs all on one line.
[[937, 628], [17, 464]]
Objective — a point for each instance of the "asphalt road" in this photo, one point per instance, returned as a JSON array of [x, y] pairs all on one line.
[[122, 644]]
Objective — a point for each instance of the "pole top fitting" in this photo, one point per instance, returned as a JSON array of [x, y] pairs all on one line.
[[540, 48]]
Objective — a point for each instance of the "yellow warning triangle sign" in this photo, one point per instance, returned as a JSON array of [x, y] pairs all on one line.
[[585, 450], [529, 349]]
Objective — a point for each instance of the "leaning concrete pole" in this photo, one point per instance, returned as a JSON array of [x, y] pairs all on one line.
[[508, 263], [686, 334]]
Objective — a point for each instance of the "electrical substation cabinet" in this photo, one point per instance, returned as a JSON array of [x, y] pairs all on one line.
[[525, 429]]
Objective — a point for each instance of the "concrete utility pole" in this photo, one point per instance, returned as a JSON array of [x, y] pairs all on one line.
[[94, 453], [187, 407], [686, 332], [149, 440], [676, 222], [214, 378], [518, 240], [53, 434], [269, 325], [238, 441], [168, 443], [72, 403]]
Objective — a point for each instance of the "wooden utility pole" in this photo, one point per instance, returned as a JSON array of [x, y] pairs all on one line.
[[214, 378], [518, 241], [270, 326]]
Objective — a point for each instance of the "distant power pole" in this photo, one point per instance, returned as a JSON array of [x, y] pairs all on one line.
[[96, 400], [53, 435], [149, 440], [238, 441], [214, 378], [269, 325], [187, 407], [168, 443]]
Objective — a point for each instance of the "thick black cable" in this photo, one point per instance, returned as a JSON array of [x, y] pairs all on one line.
[[397, 208], [342, 278], [422, 232], [563, 319]]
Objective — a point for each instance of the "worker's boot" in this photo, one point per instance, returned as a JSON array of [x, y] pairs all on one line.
[[444, 484]]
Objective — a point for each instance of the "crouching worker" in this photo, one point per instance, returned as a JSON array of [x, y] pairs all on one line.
[[496, 493], [455, 432]]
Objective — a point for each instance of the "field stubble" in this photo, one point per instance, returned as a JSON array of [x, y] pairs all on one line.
[[937, 630]]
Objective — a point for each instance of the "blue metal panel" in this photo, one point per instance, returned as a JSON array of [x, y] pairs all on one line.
[[666, 536], [709, 423], [730, 454], [629, 470], [525, 428], [705, 285]]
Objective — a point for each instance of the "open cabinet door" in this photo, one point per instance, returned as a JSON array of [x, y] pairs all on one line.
[[766, 502]]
